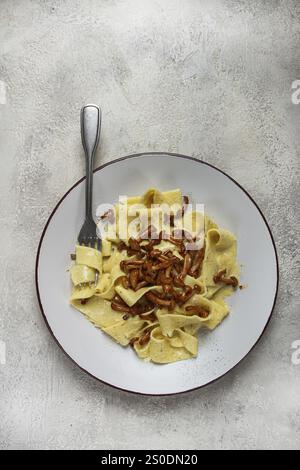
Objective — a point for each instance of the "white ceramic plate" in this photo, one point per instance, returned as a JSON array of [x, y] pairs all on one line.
[[219, 350]]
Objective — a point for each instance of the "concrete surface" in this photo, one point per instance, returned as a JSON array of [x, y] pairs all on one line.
[[210, 79]]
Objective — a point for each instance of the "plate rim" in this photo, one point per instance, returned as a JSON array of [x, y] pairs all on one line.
[[99, 168]]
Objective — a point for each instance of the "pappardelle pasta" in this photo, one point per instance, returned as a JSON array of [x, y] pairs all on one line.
[[155, 284]]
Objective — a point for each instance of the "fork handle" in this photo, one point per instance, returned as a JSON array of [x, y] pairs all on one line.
[[90, 120]]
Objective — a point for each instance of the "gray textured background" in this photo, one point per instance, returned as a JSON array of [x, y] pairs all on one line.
[[210, 79]]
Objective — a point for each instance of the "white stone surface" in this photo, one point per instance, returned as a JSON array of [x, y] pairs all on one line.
[[211, 79]]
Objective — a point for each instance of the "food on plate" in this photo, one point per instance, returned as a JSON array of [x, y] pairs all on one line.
[[163, 273]]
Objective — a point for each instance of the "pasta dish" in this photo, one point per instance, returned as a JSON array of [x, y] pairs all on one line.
[[164, 272]]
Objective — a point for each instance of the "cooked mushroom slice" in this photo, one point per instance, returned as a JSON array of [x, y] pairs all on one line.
[[229, 281], [197, 310]]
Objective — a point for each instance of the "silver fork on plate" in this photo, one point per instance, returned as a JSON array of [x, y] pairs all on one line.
[[90, 120]]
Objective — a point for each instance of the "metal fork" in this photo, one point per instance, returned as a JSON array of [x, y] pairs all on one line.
[[90, 120]]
